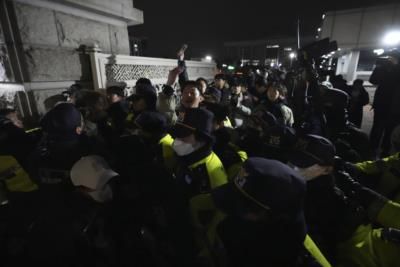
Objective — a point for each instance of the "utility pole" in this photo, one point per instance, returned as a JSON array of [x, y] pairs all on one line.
[[298, 33]]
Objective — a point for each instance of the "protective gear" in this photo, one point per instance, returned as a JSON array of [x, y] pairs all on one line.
[[386, 173], [14, 176], [168, 152], [315, 252], [202, 172], [368, 248]]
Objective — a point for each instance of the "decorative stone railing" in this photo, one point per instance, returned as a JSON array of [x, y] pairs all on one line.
[[112, 69]]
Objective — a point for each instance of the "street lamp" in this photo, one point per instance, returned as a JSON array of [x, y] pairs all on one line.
[[291, 56], [392, 38], [208, 58]]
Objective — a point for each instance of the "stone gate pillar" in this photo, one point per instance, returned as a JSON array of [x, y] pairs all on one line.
[[49, 38]]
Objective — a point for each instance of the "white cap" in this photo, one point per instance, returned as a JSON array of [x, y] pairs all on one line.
[[92, 172]]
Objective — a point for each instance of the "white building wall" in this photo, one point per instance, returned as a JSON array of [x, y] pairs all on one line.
[[359, 29]]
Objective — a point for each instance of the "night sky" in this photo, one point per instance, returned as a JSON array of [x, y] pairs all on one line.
[[206, 24]]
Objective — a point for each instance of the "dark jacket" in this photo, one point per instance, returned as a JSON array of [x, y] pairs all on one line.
[[117, 113], [73, 233], [279, 109], [386, 77], [15, 142], [50, 166], [256, 244]]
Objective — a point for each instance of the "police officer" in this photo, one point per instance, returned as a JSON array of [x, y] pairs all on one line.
[[381, 175], [153, 128], [380, 210], [199, 171], [63, 144], [14, 141], [265, 223], [341, 225], [231, 155]]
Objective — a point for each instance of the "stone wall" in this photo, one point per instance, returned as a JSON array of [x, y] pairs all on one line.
[[51, 41], [53, 46]]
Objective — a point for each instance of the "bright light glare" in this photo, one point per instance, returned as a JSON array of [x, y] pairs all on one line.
[[209, 58], [292, 55], [392, 38], [379, 51]]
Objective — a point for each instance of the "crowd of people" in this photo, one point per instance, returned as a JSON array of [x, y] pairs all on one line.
[[249, 170]]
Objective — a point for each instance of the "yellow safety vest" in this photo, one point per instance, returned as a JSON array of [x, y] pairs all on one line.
[[389, 171], [14, 176], [203, 203], [168, 152]]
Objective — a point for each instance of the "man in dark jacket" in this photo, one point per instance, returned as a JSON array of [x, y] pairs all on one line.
[[220, 83], [358, 99], [386, 77]]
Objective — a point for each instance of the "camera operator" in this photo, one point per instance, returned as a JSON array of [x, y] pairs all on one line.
[[387, 96]]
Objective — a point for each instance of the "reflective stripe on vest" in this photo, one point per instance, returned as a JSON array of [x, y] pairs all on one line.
[[312, 248]]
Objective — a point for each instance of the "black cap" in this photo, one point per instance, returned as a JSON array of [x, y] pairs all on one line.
[[62, 121], [313, 149], [266, 184], [196, 121], [148, 93], [143, 81], [220, 112], [152, 122], [214, 93], [117, 90]]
